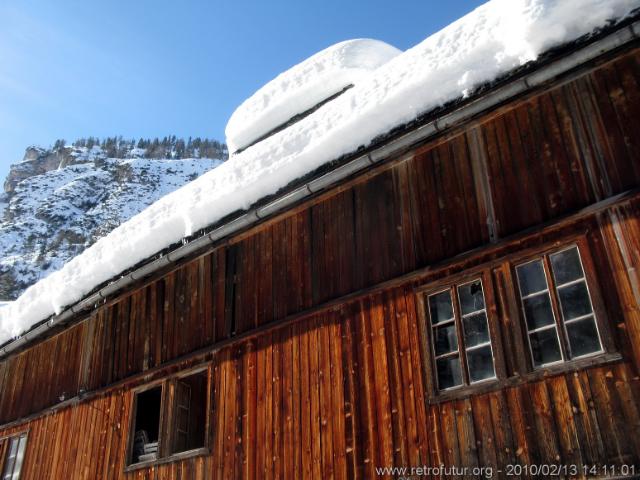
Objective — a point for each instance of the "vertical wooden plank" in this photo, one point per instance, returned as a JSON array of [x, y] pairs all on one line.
[[384, 424], [314, 394], [546, 439], [520, 415], [396, 392], [277, 404], [326, 390], [478, 166], [466, 433], [627, 388], [365, 388], [335, 389], [168, 329], [249, 437], [239, 401], [288, 422], [483, 426], [418, 346], [585, 418], [400, 325], [353, 427], [449, 432], [502, 431], [568, 440]]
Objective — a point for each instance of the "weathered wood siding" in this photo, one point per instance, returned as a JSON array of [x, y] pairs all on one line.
[[343, 391]]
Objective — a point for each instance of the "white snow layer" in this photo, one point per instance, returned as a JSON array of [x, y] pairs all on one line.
[[493, 39], [303, 87]]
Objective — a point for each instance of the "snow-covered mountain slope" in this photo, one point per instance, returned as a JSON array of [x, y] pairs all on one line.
[[49, 217]]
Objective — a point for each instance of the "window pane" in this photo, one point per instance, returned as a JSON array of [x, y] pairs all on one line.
[[190, 412], [531, 277], [538, 311], [476, 330], [448, 372], [480, 363], [574, 300], [13, 448], [566, 266], [471, 298], [545, 347], [22, 442], [14, 457], [10, 459], [440, 307], [583, 337], [445, 339]]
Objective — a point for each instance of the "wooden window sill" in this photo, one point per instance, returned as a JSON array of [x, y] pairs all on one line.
[[537, 374], [176, 457]]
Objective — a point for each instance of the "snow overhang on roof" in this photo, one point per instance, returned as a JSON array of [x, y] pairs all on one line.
[[495, 39], [303, 87]]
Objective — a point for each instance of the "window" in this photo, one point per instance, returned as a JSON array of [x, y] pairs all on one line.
[[513, 319], [170, 418], [557, 308], [460, 339], [14, 457], [190, 412]]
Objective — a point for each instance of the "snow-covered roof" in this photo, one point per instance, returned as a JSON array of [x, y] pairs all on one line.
[[304, 86], [492, 40]]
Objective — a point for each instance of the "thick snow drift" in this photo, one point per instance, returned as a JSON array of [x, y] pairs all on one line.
[[303, 87], [493, 39]]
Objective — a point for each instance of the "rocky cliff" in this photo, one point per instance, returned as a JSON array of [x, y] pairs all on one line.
[[57, 202]]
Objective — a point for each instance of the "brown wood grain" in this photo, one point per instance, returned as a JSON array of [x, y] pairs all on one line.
[[313, 326]]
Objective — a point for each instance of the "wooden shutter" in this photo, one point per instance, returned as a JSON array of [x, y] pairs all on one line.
[[182, 415]]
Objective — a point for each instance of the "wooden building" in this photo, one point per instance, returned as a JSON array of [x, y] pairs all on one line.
[[469, 298]]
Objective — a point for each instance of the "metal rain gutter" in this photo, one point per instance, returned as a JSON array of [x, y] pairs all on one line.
[[466, 112]]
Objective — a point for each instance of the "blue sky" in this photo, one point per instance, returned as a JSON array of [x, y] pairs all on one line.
[[150, 68]]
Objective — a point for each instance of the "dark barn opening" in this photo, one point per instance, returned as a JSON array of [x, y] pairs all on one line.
[[147, 425]]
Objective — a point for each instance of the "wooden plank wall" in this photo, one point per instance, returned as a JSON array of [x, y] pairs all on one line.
[[353, 397], [342, 393]]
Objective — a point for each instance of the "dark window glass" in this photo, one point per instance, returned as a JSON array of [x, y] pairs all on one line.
[[574, 300], [545, 347], [583, 337], [446, 340], [566, 266], [537, 311], [476, 330], [440, 307], [531, 278], [449, 374], [471, 297], [477, 341], [480, 363]]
